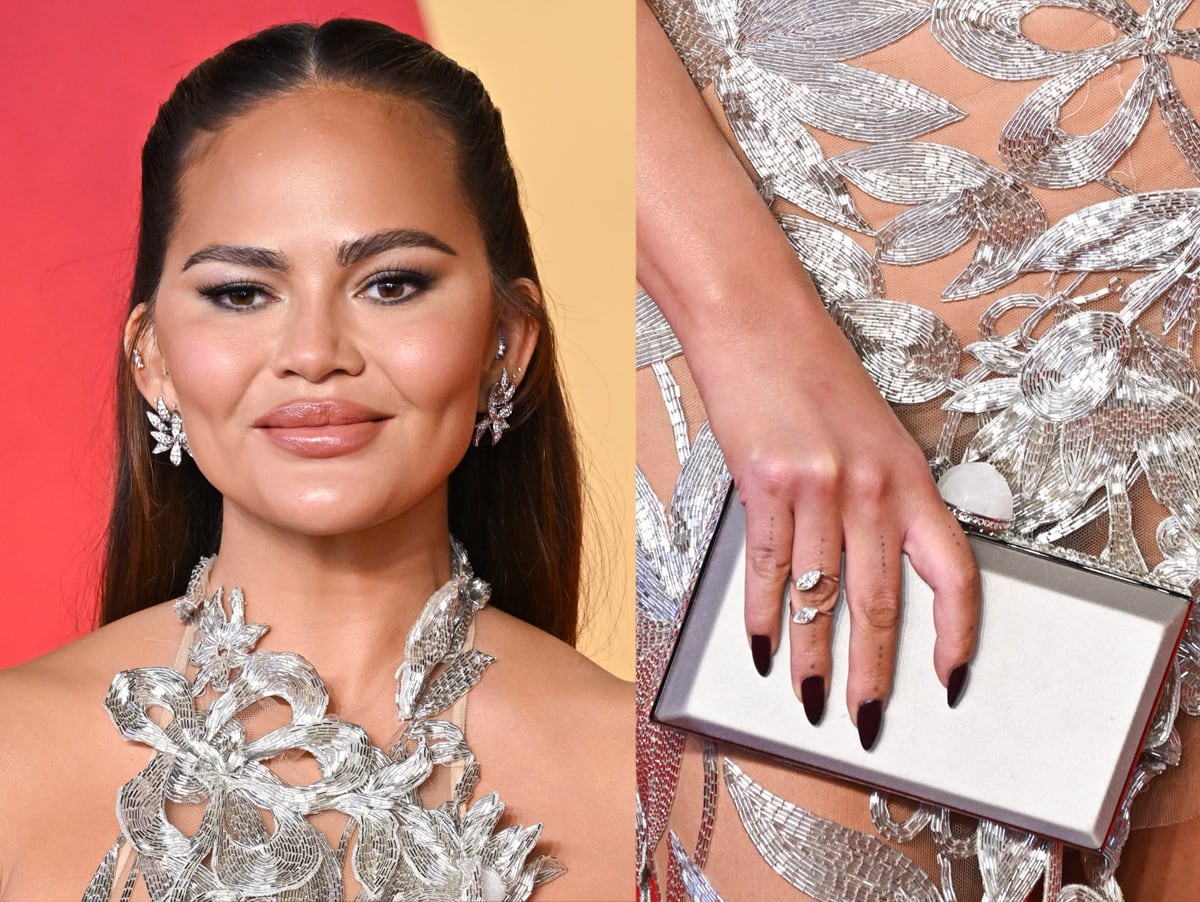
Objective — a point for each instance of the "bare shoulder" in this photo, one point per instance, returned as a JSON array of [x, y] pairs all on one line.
[[553, 733], [142, 639], [57, 742], [535, 672], [74, 671]]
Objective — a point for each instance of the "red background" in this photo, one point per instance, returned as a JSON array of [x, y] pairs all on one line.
[[82, 82]]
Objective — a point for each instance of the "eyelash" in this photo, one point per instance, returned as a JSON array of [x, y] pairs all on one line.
[[418, 282], [219, 294]]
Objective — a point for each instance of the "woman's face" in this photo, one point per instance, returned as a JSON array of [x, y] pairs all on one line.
[[326, 313]]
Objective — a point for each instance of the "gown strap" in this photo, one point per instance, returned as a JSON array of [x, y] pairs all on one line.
[[458, 714]]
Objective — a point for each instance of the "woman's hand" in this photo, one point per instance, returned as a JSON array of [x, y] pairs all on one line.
[[820, 461], [823, 467]]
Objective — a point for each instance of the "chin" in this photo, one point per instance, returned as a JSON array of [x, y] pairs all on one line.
[[340, 509], [328, 514]]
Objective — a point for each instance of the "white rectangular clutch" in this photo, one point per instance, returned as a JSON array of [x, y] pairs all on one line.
[[1061, 692]]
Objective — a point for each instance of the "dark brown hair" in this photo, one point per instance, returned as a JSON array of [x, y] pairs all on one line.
[[516, 506]]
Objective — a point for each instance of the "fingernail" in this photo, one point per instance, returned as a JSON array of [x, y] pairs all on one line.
[[954, 686], [870, 717], [760, 647], [812, 693]]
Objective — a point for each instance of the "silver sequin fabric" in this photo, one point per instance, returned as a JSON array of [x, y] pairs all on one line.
[[254, 839], [1078, 382]]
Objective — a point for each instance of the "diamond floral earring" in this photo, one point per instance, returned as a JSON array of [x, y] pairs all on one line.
[[499, 409], [166, 428]]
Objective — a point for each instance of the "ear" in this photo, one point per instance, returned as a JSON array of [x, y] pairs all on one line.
[[520, 332], [152, 378]]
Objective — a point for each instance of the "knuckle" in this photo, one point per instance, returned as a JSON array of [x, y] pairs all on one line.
[[878, 610], [822, 476], [772, 476], [765, 564], [869, 483]]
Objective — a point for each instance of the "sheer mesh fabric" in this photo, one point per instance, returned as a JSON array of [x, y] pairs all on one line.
[[1152, 163]]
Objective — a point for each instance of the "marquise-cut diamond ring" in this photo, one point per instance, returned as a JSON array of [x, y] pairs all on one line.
[[808, 581]]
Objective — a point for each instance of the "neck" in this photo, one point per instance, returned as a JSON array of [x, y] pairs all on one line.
[[344, 602]]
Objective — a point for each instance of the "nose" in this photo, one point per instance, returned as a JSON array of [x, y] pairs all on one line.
[[317, 339]]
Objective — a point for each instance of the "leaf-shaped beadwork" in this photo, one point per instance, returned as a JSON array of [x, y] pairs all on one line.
[[1036, 148], [933, 229], [818, 31], [1131, 232], [395, 847], [764, 112], [1071, 398], [1075, 366], [986, 36], [1181, 124], [838, 266], [1010, 862], [958, 196], [860, 104], [821, 857], [694, 881], [909, 352]]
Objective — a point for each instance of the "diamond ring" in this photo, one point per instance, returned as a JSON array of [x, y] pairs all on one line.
[[809, 579], [806, 582]]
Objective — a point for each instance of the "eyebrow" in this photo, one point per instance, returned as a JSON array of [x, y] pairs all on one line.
[[351, 252], [258, 257], [348, 252]]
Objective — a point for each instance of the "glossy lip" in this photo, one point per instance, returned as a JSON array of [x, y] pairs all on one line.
[[321, 428]]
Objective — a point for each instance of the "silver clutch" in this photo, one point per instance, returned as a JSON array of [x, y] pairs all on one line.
[[1061, 692]]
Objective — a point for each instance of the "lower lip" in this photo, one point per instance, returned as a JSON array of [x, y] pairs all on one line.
[[324, 441]]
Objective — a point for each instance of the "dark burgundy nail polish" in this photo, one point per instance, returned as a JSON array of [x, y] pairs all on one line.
[[870, 717], [955, 685], [812, 693], [760, 648]]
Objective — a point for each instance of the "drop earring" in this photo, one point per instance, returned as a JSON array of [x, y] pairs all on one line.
[[500, 408], [166, 428]]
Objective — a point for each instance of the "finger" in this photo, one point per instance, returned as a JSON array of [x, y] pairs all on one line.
[[817, 547], [873, 595], [768, 560], [942, 557]]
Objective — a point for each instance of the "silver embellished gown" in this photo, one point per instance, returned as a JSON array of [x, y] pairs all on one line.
[[998, 200], [251, 774]]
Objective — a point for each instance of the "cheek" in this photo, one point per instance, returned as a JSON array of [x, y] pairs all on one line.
[[210, 368], [436, 368]]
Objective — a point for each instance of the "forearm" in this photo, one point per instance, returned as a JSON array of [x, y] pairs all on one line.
[[709, 251]]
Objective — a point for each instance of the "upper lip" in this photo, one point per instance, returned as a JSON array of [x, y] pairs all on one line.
[[301, 413]]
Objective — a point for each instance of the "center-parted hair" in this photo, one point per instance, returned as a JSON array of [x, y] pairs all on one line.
[[517, 507]]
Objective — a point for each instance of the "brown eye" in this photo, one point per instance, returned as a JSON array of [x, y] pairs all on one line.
[[392, 291], [236, 297], [242, 297], [396, 287]]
